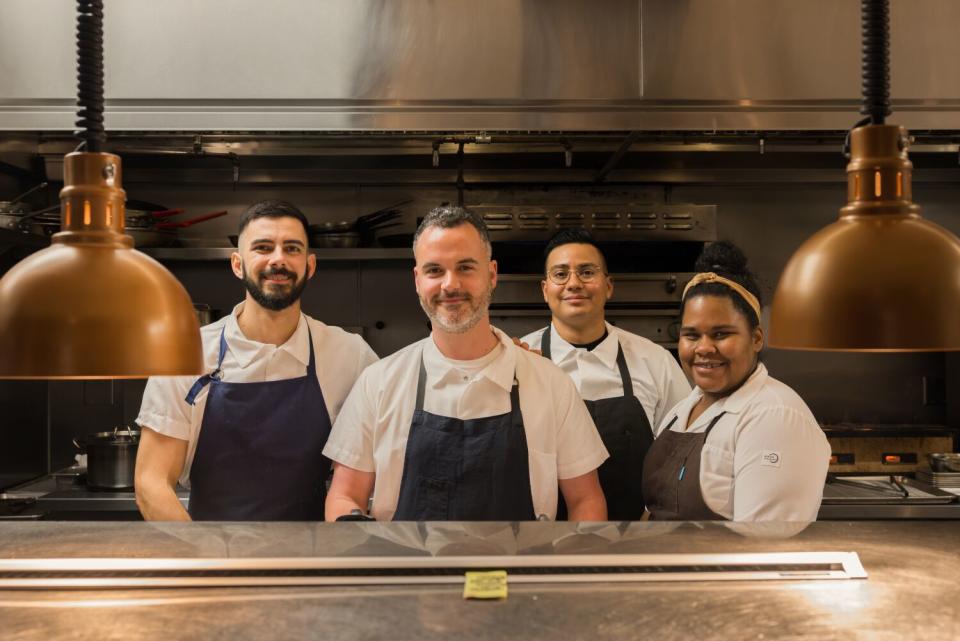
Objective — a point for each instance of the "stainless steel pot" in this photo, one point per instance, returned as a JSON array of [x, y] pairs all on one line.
[[111, 458], [205, 315]]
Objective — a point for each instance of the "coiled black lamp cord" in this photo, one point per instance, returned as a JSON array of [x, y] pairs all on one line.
[[90, 75], [875, 62]]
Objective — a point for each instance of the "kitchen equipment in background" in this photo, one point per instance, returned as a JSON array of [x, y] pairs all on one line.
[[16, 215], [885, 449], [360, 232], [18, 508], [152, 229], [16, 204], [605, 221], [111, 458], [944, 462], [205, 315], [42, 222], [335, 240], [890, 490], [946, 480]]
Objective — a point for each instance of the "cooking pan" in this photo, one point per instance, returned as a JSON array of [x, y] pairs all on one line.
[[151, 229], [43, 222], [351, 234]]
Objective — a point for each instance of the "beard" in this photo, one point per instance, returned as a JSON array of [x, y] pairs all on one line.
[[279, 300], [462, 320]]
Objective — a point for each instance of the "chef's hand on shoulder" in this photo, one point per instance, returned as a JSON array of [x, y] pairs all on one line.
[[520, 343]]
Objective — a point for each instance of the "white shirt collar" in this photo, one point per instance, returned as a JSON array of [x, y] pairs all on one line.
[[500, 371], [246, 350], [605, 352], [733, 404]]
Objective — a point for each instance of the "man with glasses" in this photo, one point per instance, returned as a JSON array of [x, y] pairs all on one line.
[[627, 382]]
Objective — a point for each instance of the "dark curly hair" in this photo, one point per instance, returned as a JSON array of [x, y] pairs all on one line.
[[727, 260]]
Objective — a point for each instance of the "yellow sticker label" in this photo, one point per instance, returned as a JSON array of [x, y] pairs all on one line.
[[485, 585]]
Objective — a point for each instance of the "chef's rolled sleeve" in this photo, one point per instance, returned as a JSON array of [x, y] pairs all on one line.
[[351, 440]]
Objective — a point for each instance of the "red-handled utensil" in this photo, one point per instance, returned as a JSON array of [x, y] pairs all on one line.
[[166, 213], [191, 221]]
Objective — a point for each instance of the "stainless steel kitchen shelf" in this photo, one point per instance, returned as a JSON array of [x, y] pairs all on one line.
[[223, 253]]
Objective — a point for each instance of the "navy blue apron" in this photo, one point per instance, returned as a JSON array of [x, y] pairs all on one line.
[[465, 470], [671, 477], [627, 435], [259, 454]]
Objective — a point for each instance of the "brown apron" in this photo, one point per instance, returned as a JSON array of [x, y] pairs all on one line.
[[671, 476]]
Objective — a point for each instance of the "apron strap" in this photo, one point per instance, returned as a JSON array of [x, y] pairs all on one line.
[[624, 372], [421, 384], [545, 342], [709, 427], [514, 393], [311, 363], [215, 375], [515, 413], [712, 423]]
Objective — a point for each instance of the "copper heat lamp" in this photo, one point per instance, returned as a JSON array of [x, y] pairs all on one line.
[[90, 306], [881, 278]]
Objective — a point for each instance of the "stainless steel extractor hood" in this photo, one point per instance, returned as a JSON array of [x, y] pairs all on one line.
[[459, 65]]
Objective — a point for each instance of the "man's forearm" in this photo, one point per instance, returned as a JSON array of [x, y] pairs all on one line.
[[339, 505], [159, 502], [592, 508]]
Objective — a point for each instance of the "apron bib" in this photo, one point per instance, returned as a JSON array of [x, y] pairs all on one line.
[[627, 435], [465, 469], [671, 477], [259, 453]]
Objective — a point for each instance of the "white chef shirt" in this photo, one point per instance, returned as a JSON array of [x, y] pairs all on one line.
[[766, 458], [658, 381], [339, 356], [370, 433]]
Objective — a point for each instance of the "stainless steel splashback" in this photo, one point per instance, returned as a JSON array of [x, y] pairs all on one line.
[[460, 65]]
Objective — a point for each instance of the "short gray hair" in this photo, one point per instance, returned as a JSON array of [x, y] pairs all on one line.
[[450, 216]]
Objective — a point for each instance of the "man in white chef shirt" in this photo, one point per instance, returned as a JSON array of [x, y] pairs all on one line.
[[627, 381], [463, 425], [247, 437]]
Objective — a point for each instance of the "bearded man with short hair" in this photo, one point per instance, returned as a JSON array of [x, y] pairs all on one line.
[[247, 437], [463, 425]]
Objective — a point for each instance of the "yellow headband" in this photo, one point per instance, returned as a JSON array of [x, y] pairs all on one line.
[[710, 277]]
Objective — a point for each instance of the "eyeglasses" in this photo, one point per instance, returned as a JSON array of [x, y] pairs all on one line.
[[585, 274]]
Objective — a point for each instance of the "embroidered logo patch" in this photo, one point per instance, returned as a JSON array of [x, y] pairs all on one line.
[[770, 458]]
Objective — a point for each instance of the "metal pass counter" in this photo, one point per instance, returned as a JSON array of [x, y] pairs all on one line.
[[739, 581]]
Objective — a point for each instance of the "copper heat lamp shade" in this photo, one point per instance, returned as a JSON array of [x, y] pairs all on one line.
[[881, 278], [90, 306]]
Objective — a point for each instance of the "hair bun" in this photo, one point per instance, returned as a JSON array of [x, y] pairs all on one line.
[[722, 256]]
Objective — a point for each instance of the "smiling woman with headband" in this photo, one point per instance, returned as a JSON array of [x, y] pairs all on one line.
[[742, 446]]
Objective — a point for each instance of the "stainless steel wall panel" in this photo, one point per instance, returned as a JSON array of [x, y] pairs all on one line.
[[758, 50], [457, 65]]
